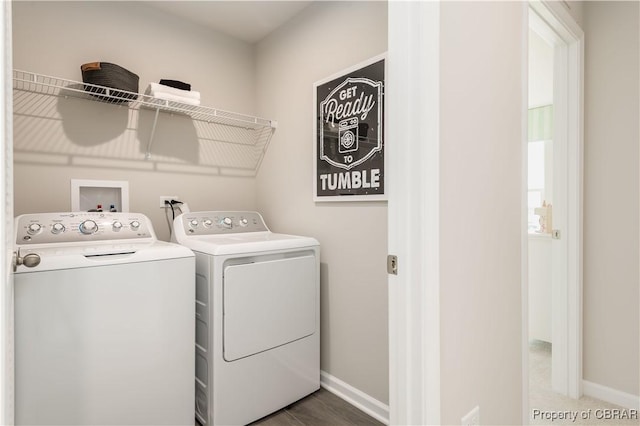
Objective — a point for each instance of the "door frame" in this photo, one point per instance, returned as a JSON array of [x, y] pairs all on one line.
[[413, 223], [6, 220], [568, 38]]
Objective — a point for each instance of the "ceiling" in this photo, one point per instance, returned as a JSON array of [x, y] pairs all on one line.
[[249, 21]]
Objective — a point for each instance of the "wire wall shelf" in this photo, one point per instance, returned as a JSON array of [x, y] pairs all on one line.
[[250, 132]]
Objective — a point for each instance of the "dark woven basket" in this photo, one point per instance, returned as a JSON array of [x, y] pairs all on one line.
[[112, 76]]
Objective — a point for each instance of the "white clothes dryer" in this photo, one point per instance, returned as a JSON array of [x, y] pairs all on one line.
[[257, 315], [103, 322]]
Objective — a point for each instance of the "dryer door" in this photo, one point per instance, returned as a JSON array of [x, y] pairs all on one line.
[[268, 304]]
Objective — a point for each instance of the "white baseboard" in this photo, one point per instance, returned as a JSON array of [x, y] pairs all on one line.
[[610, 395], [355, 397]]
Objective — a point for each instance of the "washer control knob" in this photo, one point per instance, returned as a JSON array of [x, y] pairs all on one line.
[[57, 228], [34, 228], [244, 222], [116, 226], [88, 227], [208, 223], [135, 225], [227, 222], [193, 223]]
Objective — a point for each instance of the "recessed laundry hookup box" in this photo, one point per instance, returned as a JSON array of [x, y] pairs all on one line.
[[99, 195]]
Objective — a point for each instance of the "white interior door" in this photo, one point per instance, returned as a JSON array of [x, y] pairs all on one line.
[[6, 220]]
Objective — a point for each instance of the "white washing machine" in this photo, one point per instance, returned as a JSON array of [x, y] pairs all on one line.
[[103, 322], [257, 316]]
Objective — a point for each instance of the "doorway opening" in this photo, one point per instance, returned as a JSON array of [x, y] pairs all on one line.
[[553, 188], [540, 202]]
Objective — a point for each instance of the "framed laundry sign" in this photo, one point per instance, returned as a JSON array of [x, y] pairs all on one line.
[[349, 147]]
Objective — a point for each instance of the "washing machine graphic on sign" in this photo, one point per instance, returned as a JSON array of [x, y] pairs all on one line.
[[348, 135], [350, 116]]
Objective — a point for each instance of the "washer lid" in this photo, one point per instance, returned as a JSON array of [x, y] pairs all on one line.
[[56, 257]]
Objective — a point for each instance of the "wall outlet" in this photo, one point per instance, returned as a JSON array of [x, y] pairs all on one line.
[[472, 418], [167, 198]]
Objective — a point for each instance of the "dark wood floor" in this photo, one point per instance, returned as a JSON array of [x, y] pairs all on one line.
[[321, 408]]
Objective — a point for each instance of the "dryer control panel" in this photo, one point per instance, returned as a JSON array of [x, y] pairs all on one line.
[[222, 222], [74, 227]]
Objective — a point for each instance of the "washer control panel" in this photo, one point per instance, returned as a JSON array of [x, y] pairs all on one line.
[[222, 222], [50, 228]]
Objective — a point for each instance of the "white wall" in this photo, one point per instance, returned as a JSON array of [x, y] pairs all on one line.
[[482, 54], [71, 138], [611, 212], [324, 39]]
